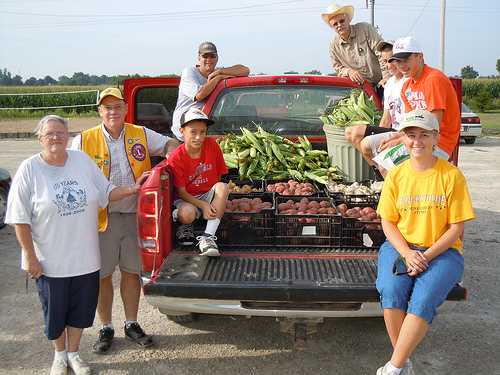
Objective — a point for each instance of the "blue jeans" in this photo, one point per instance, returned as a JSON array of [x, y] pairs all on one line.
[[421, 294]]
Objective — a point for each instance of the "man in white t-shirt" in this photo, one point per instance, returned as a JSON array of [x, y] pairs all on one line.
[[366, 138], [197, 82]]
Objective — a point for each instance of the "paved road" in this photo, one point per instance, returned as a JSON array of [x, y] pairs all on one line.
[[461, 342]]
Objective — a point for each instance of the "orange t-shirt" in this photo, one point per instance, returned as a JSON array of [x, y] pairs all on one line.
[[433, 90]]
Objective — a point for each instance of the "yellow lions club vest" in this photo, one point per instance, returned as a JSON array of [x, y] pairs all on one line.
[[94, 145]]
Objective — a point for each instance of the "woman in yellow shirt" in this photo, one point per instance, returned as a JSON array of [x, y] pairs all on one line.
[[424, 206]]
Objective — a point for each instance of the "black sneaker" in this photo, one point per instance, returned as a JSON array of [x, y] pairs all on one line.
[[105, 339], [185, 234], [135, 333]]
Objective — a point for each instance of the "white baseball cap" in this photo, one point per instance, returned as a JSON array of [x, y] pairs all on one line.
[[194, 114], [404, 48], [420, 119]]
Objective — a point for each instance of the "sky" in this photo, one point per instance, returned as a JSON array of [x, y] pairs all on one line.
[[159, 37]]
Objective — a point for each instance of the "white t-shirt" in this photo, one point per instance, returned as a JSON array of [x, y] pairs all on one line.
[[393, 101], [60, 204], [191, 83]]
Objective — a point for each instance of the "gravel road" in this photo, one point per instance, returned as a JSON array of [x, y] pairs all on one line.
[[463, 341]]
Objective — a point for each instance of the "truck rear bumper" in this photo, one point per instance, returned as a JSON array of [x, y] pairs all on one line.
[[182, 306]]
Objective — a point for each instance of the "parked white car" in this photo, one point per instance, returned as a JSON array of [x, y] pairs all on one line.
[[471, 125]]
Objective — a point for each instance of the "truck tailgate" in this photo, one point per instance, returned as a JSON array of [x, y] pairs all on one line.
[[314, 278]]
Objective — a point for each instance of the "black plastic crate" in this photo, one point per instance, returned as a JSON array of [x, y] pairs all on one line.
[[354, 198], [307, 230], [257, 185], [357, 233], [317, 193], [248, 228]]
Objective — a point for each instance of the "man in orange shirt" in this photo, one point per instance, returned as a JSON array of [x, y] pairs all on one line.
[[427, 89]]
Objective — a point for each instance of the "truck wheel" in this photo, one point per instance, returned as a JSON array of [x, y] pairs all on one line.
[[179, 317], [189, 318], [470, 141]]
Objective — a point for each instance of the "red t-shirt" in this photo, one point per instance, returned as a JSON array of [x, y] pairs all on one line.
[[197, 175], [434, 90]]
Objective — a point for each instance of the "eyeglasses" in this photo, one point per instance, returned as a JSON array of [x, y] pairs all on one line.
[[52, 135], [209, 55], [117, 108], [340, 22], [399, 264]]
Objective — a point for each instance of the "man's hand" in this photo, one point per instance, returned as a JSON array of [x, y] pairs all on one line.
[[219, 75], [171, 145], [356, 77], [392, 141]]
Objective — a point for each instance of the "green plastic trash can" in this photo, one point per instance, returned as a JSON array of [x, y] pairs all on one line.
[[345, 156]]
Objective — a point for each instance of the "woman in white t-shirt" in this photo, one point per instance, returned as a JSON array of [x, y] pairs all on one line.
[[53, 205]]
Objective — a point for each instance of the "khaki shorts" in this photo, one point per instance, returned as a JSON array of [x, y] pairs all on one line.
[[119, 245]]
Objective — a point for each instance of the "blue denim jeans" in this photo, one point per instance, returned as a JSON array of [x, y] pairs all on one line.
[[422, 294]]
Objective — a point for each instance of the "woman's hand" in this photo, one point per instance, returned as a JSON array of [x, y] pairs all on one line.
[[137, 186], [33, 267], [416, 261]]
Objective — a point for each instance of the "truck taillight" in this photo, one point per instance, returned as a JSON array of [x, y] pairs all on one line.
[[148, 212]]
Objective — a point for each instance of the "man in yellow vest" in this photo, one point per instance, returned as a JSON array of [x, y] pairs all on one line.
[[121, 151]]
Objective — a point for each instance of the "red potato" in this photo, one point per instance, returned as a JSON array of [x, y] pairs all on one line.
[[324, 204], [343, 207], [284, 206], [267, 205], [304, 200], [331, 211], [314, 204], [271, 188], [323, 211], [287, 192], [372, 215], [280, 189]]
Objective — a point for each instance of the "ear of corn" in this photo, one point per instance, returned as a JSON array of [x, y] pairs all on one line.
[[354, 109]]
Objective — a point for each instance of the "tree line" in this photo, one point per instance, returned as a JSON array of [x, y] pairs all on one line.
[[84, 79], [78, 79]]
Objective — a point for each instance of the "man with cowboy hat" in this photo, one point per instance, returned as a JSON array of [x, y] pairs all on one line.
[[353, 49]]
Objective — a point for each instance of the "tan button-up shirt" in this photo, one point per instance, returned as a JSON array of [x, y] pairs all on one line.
[[361, 46]]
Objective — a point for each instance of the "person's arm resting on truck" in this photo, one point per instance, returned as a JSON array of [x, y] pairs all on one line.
[[217, 75]]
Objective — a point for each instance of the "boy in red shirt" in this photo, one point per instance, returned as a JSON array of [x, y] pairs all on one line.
[[197, 167]]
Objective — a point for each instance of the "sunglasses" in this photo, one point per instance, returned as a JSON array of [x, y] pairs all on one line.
[[209, 55], [400, 267]]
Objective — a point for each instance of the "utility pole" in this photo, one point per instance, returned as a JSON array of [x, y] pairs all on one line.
[[441, 41], [372, 17]]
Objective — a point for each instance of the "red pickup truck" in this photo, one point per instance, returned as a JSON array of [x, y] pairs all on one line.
[[301, 284]]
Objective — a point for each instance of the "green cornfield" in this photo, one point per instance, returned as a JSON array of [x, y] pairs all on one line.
[[16, 102], [472, 87]]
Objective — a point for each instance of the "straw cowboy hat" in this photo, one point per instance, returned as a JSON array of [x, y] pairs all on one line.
[[336, 9]]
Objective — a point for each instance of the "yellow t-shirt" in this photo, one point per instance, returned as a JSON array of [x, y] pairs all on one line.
[[423, 204]]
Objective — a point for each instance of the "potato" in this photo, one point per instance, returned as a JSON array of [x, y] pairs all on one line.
[[314, 204], [324, 204], [304, 200]]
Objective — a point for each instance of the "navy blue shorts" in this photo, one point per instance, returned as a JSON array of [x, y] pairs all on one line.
[[68, 301]]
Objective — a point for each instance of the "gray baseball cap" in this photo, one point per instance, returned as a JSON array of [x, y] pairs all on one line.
[[207, 47]]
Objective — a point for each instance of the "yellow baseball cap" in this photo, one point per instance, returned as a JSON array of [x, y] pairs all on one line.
[[113, 91]]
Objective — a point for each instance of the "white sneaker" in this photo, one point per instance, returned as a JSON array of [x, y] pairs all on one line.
[[207, 245], [383, 370], [59, 366], [79, 366]]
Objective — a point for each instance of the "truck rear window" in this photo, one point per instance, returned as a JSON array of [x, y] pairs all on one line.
[[289, 110]]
